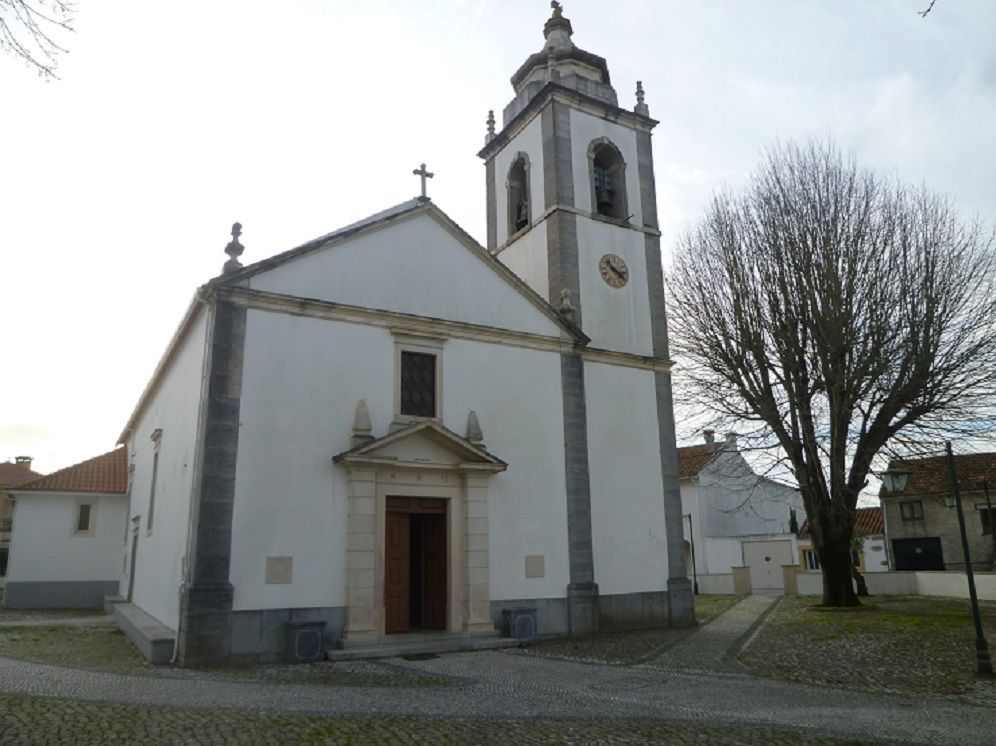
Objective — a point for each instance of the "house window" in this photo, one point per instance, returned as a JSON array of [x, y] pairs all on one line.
[[518, 195], [4, 554], [418, 384], [608, 180], [811, 559], [911, 510], [157, 436], [84, 519], [988, 518]]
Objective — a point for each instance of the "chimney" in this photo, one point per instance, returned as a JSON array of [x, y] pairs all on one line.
[[710, 440], [24, 461], [731, 442]]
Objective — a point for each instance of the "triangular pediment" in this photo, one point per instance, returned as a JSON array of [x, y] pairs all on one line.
[[424, 445], [411, 259]]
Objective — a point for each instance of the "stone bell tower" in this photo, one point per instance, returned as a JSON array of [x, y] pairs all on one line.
[[570, 194], [571, 209]]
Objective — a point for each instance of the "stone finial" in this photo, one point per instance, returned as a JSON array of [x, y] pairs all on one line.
[[491, 126], [566, 303], [474, 434], [557, 29], [234, 250], [641, 107], [361, 425]]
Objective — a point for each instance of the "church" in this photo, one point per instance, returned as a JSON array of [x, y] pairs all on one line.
[[392, 430]]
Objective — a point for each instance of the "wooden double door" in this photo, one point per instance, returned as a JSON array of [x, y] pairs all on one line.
[[415, 564]]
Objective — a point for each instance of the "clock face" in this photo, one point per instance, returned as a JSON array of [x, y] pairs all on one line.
[[614, 270]]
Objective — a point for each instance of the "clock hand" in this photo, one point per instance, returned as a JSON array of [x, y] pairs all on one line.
[[617, 272]]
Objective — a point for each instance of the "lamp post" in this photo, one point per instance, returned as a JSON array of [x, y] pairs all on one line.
[[984, 666], [691, 541]]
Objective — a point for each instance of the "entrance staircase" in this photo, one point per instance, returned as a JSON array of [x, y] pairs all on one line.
[[417, 643]]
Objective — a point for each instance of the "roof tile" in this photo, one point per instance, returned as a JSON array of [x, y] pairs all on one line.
[[105, 473], [13, 475], [691, 459], [930, 476], [867, 522]]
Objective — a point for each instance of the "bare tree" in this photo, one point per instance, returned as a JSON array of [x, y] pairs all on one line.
[[839, 315], [29, 29]]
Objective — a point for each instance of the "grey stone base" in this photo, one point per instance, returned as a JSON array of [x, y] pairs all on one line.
[[83, 594], [620, 611], [153, 639], [261, 636], [634, 611], [682, 609], [551, 614], [583, 614]]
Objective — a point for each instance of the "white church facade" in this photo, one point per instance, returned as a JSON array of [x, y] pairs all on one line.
[[392, 428]]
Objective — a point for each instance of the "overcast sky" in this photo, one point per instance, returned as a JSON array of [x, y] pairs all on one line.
[[120, 181]]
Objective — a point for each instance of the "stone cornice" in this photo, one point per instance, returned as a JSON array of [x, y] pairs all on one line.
[[425, 326], [574, 99]]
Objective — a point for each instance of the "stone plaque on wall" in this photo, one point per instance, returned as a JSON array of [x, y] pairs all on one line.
[[279, 570], [535, 566]]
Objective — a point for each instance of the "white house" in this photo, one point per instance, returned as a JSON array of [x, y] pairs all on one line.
[[67, 543], [393, 428], [737, 517], [12, 474], [873, 554]]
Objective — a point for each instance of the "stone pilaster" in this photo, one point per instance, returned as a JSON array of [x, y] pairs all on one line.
[[363, 605], [582, 592], [476, 592], [205, 633]]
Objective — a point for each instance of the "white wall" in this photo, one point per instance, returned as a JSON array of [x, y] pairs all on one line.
[[379, 269], [516, 394], [627, 503], [921, 583], [614, 318], [174, 409], [45, 547], [527, 257], [716, 584], [302, 378], [529, 140]]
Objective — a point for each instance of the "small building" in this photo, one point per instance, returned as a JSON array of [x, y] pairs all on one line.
[[921, 524], [68, 535], [872, 556], [12, 474], [737, 517]]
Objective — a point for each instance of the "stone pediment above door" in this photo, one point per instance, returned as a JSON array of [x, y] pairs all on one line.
[[425, 445]]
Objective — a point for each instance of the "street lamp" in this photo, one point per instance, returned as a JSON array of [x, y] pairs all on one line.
[[984, 665], [691, 541], [895, 479]]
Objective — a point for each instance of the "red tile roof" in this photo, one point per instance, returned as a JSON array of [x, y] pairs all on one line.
[[12, 475], [691, 459], [106, 473], [867, 522], [930, 476]]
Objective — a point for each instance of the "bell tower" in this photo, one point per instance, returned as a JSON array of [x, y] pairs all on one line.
[[571, 205], [571, 209]]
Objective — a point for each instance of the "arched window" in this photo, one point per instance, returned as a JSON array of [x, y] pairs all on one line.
[[608, 179], [518, 194]]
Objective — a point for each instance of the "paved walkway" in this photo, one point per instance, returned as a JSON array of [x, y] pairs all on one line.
[[712, 647], [514, 686]]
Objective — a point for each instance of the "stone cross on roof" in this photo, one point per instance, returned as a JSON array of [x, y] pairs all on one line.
[[425, 175]]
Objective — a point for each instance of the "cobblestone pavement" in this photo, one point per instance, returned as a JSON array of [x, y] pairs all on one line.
[[911, 645], [691, 696]]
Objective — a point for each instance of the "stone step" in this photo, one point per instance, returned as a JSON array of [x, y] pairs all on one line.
[[393, 646]]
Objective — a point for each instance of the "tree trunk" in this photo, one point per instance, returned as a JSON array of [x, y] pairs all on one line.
[[838, 584]]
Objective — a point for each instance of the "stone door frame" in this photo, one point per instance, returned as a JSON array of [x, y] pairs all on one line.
[[465, 488]]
